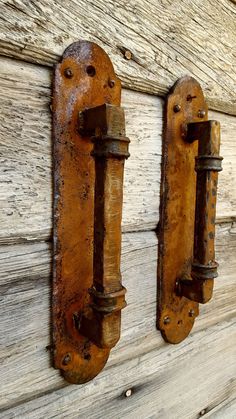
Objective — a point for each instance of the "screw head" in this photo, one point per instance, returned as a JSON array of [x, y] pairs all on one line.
[[177, 108], [66, 360], [128, 392], [166, 320], [201, 113], [68, 73], [191, 313], [128, 54], [111, 83]]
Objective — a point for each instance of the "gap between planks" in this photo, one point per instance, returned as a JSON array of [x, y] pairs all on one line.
[[178, 370], [25, 273]]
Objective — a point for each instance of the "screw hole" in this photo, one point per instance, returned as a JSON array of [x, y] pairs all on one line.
[[91, 71], [87, 357], [180, 322]]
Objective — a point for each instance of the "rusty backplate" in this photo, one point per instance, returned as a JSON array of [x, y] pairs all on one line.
[[175, 313], [83, 79]]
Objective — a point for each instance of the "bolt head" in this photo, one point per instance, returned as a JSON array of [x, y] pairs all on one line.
[[166, 320], [191, 313], [68, 73], [177, 108], [128, 54], [201, 113], [67, 359], [111, 83]]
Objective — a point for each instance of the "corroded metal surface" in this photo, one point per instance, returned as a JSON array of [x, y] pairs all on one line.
[[208, 163], [176, 314], [84, 78], [186, 265], [101, 320]]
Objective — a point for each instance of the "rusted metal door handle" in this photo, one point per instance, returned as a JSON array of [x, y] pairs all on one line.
[[208, 163], [186, 264], [106, 126], [90, 147]]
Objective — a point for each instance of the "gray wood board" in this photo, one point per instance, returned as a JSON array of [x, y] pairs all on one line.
[[183, 381], [167, 39], [26, 156], [25, 273]]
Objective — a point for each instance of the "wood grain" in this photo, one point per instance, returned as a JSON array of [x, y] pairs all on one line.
[[166, 39], [196, 371], [224, 410], [25, 272], [26, 165]]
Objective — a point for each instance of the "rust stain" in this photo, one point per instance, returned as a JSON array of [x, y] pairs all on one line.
[[106, 125], [183, 255], [207, 166], [83, 79]]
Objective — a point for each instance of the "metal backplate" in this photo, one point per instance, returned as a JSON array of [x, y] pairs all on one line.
[[84, 78], [184, 104]]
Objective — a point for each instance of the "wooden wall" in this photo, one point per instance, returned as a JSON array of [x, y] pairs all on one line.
[[167, 39]]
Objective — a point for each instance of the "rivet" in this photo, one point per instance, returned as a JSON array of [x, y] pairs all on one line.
[[66, 359], [128, 392], [128, 54], [177, 108], [201, 113], [68, 73], [111, 83], [191, 313], [166, 320]]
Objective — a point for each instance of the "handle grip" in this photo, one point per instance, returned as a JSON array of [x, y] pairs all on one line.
[[207, 166], [106, 125]]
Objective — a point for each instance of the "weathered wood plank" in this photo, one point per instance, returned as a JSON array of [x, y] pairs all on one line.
[[225, 410], [25, 274], [172, 382], [166, 40], [25, 177], [25, 157]]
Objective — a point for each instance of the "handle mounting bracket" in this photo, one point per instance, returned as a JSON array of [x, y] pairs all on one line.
[[190, 166], [89, 150]]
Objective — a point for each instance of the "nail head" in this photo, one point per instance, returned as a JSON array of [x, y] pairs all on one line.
[[66, 359], [177, 108], [201, 113], [166, 320], [191, 313], [128, 392], [111, 83], [68, 73], [128, 54]]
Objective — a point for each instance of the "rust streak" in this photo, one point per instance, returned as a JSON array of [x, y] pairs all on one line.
[[82, 80]]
